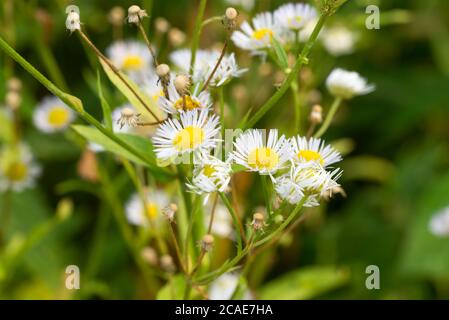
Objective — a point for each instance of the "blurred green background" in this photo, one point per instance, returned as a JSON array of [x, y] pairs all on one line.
[[395, 175]]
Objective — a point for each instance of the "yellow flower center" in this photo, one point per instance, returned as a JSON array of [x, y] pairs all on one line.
[[296, 19], [188, 104], [208, 170], [16, 171], [309, 155], [188, 138], [262, 33], [132, 63], [263, 158], [152, 210], [58, 116]]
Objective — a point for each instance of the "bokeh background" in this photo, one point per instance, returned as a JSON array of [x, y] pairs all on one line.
[[395, 139]]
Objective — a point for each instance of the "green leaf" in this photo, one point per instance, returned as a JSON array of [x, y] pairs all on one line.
[[305, 283], [128, 93], [139, 143], [173, 290], [280, 53], [107, 117]]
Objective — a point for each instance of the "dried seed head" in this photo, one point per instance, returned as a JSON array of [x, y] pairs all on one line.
[[14, 84], [167, 263], [169, 211], [149, 255], [128, 117], [163, 70], [13, 100], [72, 22], [316, 115], [135, 14], [182, 84], [207, 243], [176, 37], [161, 25], [116, 16], [258, 221]]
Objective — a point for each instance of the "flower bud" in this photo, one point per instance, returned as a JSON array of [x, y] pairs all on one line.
[[149, 255], [182, 84], [72, 22], [14, 84], [163, 70], [116, 16], [161, 25], [176, 37], [135, 14], [169, 211], [167, 263], [258, 221], [316, 115], [13, 100], [207, 243], [230, 18]]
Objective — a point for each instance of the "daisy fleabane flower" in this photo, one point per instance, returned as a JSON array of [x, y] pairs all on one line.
[[295, 16], [258, 37], [18, 169], [52, 115], [347, 84], [205, 62], [252, 152], [131, 57], [195, 131], [210, 175], [439, 223], [142, 212], [314, 150], [177, 103]]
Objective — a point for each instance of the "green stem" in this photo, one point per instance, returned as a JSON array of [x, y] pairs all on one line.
[[188, 236], [297, 103], [238, 225], [301, 60], [197, 33], [329, 117], [266, 193]]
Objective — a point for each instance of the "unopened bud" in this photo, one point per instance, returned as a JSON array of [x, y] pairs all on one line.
[[135, 14], [163, 70], [116, 16], [14, 84], [176, 37], [161, 25], [230, 18], [316, 115], [258, 221], [169, 211], [149, 255], [13, 100], [182, 84], [207, 243], [167, 263]]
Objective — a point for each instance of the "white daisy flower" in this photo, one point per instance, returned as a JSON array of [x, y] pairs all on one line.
[[439, 223], [194, 132], [315, 150], [252, 152], [177, 103], [141, 213], [224, 286], [205, 62], [338, 40], [295, 16], [258, 37], [131, 57], [347, 84], [222, 224], [18, 170], [210, 175], [248, 5], [52, 115]]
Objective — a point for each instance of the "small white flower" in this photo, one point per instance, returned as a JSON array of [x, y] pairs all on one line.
[[72, 22], [258, 37], [135, 14], [131, 57], [18, 170], [222, 224], [52, 115], [210, 175], [338, 40], [252, 152], [178, 103], [295, 16], [347, 84], [314, 150], [439, 223], [141, 213], [248, 5], [224, 286], [194, 132], [205, 62]]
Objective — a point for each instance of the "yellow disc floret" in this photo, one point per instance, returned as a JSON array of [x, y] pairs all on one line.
[[58, 116], [262, 33], [188, 138], [310, 155], [263, 158], [187, 103], [132, 63]]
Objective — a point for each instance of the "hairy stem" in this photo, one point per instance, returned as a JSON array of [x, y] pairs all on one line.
[[197, 33]]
